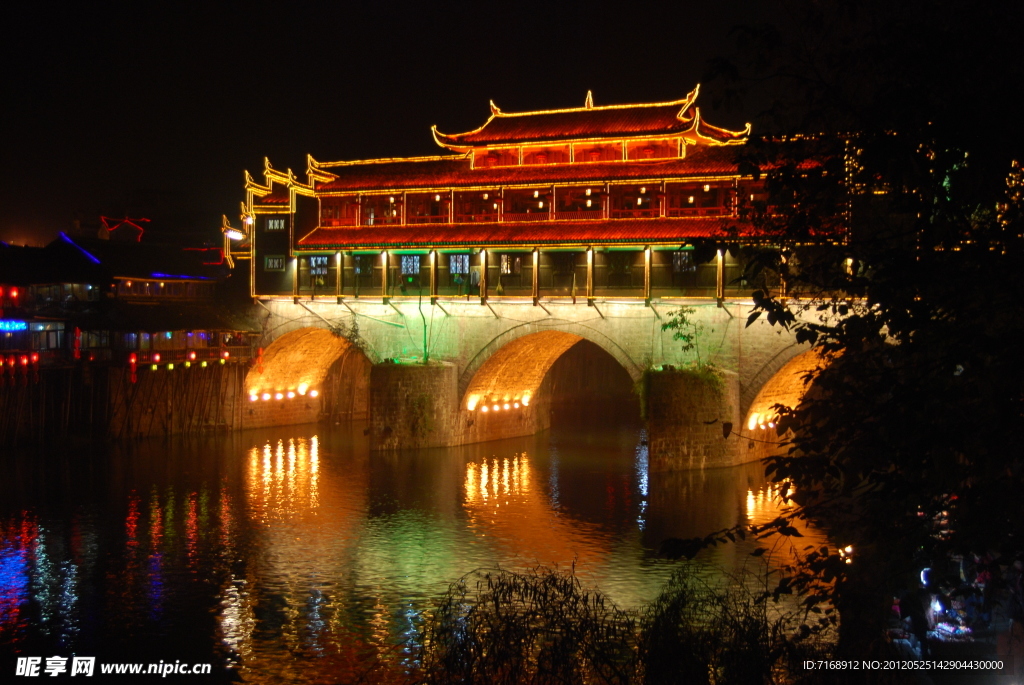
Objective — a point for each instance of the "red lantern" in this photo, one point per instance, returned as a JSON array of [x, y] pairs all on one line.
[[192, 356], [156, 357]]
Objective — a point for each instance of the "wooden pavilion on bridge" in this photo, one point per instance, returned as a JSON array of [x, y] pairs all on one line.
[[595, 202]]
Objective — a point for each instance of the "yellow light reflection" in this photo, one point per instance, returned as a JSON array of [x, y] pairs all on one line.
[[505, 508]]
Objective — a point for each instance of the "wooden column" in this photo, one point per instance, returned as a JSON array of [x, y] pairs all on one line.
[[720, 278], [590, 276], [339, 284], [433, 276], [536, 276], [483, 276], [647, 276], [385, 262]]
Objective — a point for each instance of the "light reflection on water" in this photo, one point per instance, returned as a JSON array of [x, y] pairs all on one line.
[[294, 555]]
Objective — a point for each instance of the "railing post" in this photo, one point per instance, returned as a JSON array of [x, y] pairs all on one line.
[[536, 276], [590, 276], [339, 284], [647, 276], [483, 276], [433, 276], [720, 278]]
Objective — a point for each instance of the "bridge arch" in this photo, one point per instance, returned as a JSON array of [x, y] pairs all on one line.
[[307, 374], [788, 386], [530, 350]]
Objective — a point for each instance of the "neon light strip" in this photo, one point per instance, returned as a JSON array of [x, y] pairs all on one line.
[[65, 237]]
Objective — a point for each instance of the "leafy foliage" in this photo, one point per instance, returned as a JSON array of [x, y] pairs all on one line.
[[542, 626], [908, 448]]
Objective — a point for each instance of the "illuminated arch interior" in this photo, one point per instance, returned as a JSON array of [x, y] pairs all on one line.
[[787, 387], [515, 372], [297, 362]]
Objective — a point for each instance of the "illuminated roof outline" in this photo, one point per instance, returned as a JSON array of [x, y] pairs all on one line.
[[648, 120]]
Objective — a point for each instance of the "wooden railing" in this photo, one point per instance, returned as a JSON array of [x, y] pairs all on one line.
[[525, 216], [698, 211], [506, 217], [580, 215], [635, 213], [440, 219], [476, 218]]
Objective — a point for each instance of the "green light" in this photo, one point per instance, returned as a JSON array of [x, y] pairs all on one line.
[[153, 367]]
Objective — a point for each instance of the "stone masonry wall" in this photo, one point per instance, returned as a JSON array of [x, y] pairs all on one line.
[[685, 414]]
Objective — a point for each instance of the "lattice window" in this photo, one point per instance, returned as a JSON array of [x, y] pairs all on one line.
[[410, 264], [682, 262]]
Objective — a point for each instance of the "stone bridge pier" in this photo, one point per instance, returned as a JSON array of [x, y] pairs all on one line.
[[460, 371]]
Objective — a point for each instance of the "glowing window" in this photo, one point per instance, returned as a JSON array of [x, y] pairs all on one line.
[[275, 224], [511, 264], [273, 263], [458, 264], [410, 264]]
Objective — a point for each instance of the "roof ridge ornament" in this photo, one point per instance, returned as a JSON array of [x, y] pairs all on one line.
[[589, 103], [688, 101], [494, 110]]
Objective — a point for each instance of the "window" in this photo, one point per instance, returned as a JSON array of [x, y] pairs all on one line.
[[318, 265], [458, 264], [682, 262], [410, 264], [511, 265], [273, 263], [275, 223], [363, 264]]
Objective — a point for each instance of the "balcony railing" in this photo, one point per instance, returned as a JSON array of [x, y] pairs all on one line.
[[382, 220], [476, 218], [699, 211], [492, 217], [440, 219], [581, 215], [635, 213], [525, 216]]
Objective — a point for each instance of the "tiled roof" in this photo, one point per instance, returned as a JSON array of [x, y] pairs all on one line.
[[574, 123], [278, 197], [678, 117], [598, 232], [455, 171]]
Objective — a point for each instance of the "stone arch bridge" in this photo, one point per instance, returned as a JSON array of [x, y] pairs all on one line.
[[460, 371]]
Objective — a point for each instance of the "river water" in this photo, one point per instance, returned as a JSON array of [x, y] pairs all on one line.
[[295, 554]]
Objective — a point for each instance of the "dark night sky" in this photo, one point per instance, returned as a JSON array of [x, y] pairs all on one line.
[[111, 108]]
